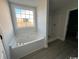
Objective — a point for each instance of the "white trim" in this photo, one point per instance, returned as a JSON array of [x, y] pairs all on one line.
[[13, 6], [52, 39]]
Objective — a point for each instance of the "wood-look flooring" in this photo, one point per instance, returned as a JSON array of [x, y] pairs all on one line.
[[56, 50]]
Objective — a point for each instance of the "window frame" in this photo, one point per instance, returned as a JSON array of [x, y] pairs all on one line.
[[14, 5]]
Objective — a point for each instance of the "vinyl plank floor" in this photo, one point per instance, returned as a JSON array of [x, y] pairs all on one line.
[[56, 50]]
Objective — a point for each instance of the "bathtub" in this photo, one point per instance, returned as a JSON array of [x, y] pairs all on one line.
[[23, 49]]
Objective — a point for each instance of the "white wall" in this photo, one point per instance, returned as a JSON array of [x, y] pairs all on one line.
[[42, 19], [60, 17], [22, 6], [6, 25], [41, 16], [51, 23], [41, 6]]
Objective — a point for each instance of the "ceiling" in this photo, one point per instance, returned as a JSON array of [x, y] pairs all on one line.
[[57, 4], [53, 4], [32, 3]]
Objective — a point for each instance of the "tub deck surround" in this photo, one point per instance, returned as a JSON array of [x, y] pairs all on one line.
[[19, 44], [28, 40], [25, 42], [28, 48]]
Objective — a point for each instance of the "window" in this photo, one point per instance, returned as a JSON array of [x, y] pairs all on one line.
[[24, 18]]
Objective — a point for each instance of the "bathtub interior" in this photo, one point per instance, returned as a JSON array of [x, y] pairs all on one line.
[[27, 35], [27, 42], [31, 40]]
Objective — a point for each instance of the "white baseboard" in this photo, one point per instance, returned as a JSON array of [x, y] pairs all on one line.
[[55, 38], [51, 40], [61, 38]]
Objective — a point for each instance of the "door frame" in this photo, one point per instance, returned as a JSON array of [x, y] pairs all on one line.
[[66, 22]]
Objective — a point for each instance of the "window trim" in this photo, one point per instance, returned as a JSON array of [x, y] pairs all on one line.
[[13, 6]]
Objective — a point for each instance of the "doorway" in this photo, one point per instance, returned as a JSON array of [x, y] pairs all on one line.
[[72, 28]]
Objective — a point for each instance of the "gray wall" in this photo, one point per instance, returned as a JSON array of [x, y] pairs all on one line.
[[6, 25], [60, 18]]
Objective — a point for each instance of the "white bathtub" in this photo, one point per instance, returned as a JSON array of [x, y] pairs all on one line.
[[27, 48]]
